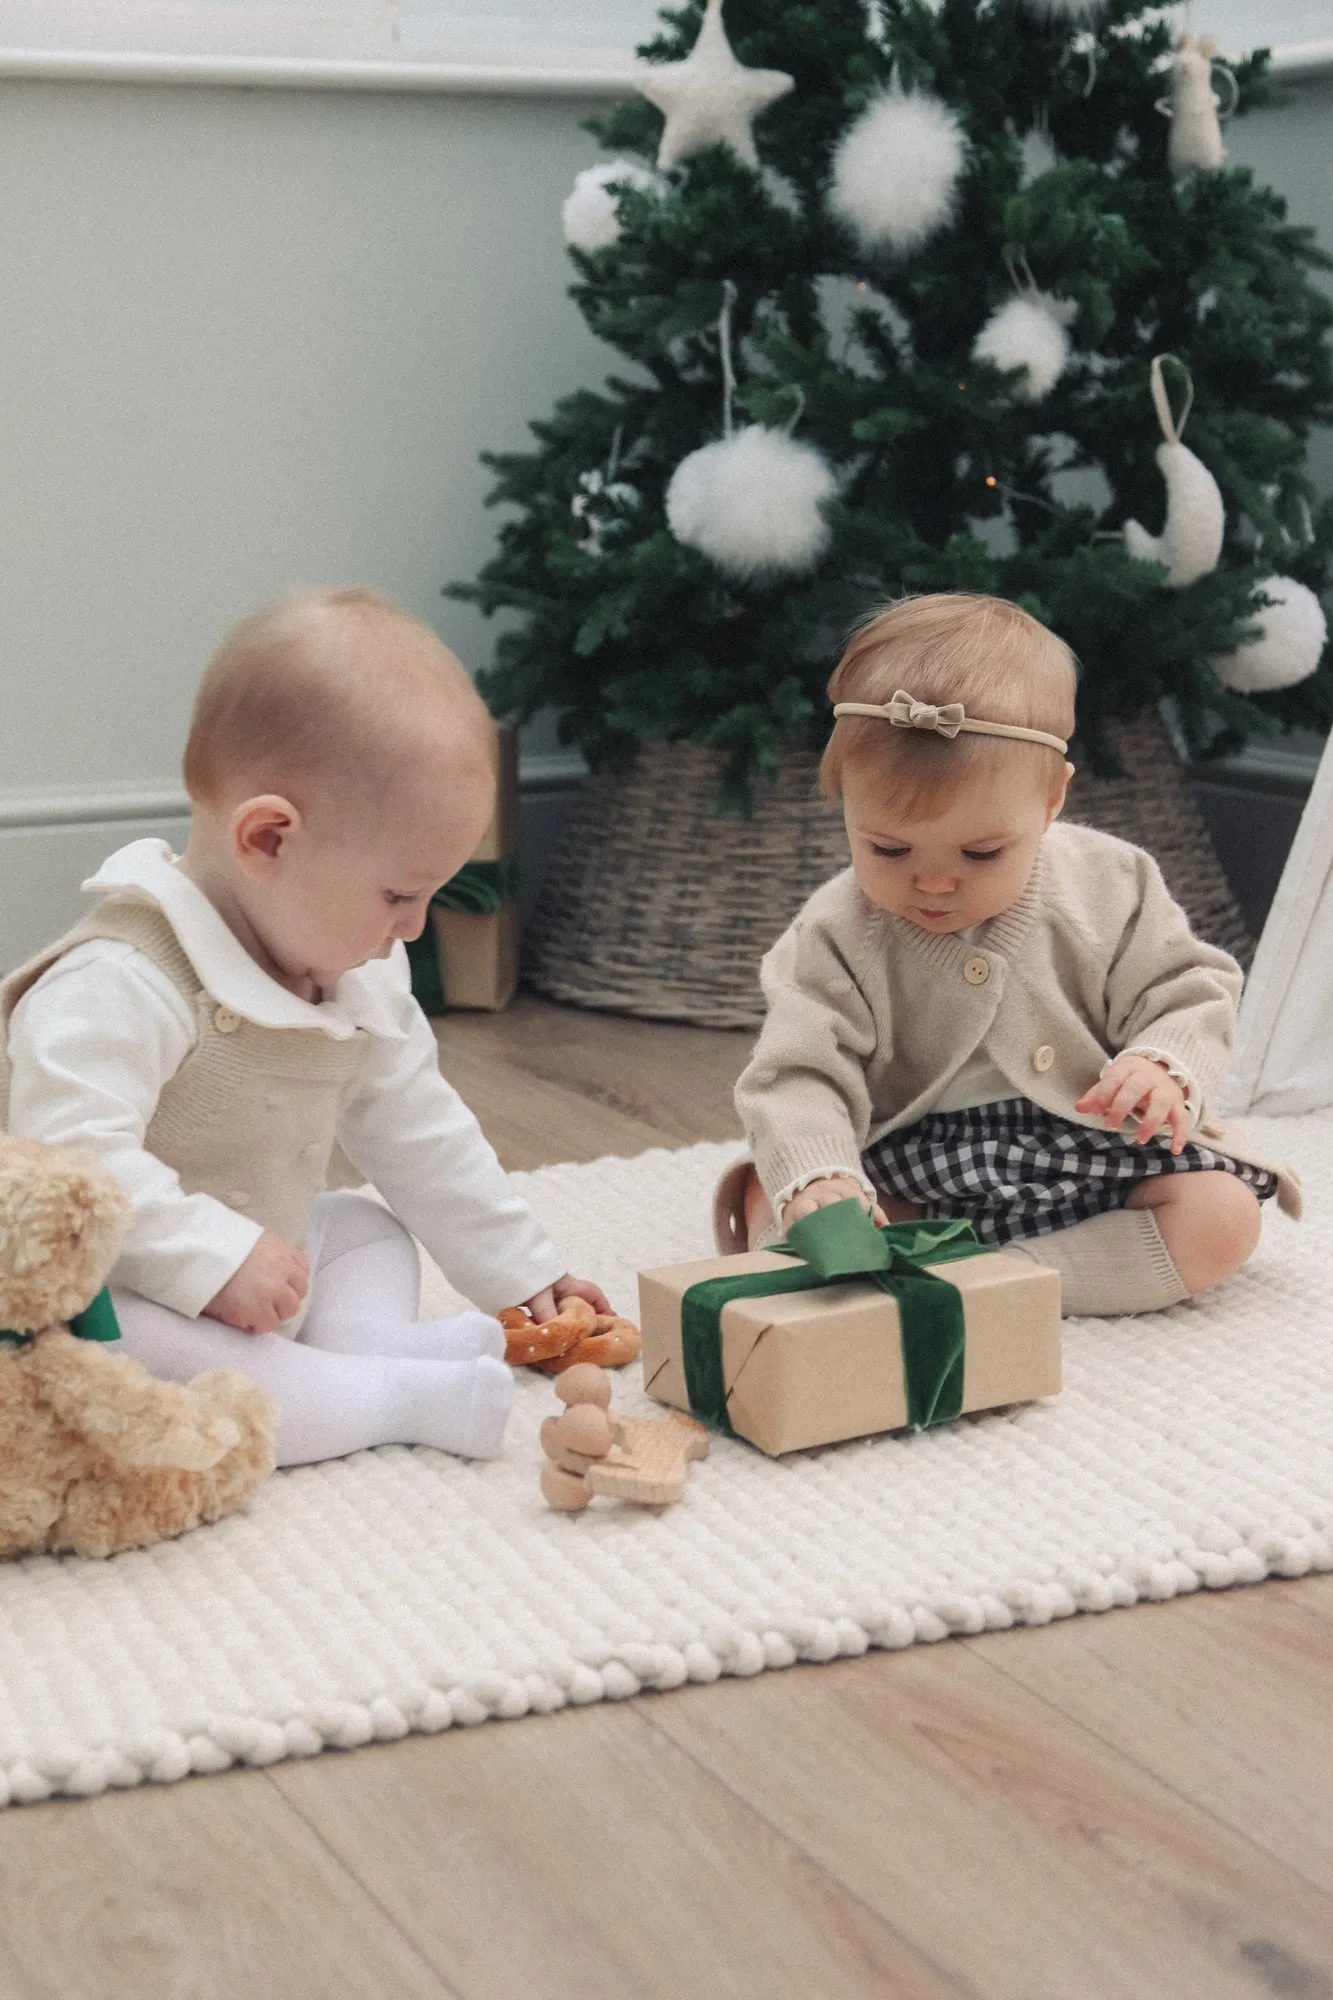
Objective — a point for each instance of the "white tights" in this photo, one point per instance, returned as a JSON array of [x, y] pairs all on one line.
[[362, 1371]]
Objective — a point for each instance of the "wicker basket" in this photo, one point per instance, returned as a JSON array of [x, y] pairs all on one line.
[[657, 906]]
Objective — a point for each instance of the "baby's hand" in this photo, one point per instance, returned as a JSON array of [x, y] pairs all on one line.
[[546, 1304], [1137, 1087], [267, 1289], [822, 1194]]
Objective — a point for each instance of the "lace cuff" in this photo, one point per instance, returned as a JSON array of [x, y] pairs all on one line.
[[784, 1195], [1174, 1069]]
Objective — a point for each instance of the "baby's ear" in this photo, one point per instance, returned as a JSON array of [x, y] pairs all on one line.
[[258, 829], [1055, 805]]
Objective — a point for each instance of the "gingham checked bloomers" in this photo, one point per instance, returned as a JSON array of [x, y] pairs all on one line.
[[1013, 1169]]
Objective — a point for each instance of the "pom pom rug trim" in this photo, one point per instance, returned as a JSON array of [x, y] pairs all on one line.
[[402, 1590]]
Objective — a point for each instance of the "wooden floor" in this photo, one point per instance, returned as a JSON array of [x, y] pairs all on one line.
[[1115, 1808]]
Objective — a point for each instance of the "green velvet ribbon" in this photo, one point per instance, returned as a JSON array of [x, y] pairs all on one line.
[[97, 1322], [479, 889], [836, 1244]]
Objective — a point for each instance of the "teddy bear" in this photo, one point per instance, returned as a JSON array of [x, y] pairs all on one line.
[[97, 1455]]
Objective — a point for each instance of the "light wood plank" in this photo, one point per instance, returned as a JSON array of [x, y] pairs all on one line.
[[215, 1889], [1014, 1849], [554, 1083], [1224, 1698], [584, 1857]]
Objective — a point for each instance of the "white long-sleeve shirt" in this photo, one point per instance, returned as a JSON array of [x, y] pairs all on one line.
[[95, 1040]]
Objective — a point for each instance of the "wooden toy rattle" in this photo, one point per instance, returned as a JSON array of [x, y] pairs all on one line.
[[642, 1459], [576, 1334]]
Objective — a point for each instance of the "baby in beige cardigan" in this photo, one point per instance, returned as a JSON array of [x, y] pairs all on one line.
[[992, 1015]]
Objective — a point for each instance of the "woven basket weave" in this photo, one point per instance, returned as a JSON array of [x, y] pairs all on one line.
[[657, 906]]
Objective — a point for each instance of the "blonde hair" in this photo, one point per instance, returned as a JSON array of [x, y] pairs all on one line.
[[327, 692], [957, 646]]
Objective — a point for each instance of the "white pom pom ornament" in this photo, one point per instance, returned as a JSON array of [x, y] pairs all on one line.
[[752, 503], [1029, 333], [1191, 541], [1295, 632], [591, 214], [895, 172]]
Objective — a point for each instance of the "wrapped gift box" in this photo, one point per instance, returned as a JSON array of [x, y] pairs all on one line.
[[792, 1369], [468, 954]]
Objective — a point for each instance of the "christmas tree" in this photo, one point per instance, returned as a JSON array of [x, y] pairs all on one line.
[[912, 300]]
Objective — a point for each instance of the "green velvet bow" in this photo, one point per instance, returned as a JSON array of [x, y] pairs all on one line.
[[479, 889], [97, 1322], [835, 1244]]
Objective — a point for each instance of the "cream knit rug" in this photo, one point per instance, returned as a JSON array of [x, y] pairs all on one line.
[[403, 1590]]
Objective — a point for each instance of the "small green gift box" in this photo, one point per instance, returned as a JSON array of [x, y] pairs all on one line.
[[846, 1330]]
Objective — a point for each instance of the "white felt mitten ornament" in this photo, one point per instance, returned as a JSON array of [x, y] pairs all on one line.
[[1295, 632], [896, 171], [710, 99], [591, 214], [752, 503], [1191, 541], [1194, 109], [1029, 333]]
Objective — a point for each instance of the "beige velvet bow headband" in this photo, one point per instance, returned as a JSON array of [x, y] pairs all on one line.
[[906, 712]]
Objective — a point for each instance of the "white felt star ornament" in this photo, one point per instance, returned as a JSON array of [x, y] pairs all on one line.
[[710, 99]]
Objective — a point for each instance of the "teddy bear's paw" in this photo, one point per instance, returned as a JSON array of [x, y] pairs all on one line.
[[198, 1444]]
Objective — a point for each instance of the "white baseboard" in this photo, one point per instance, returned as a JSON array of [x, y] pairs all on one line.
[[52, 841], [42, 865]]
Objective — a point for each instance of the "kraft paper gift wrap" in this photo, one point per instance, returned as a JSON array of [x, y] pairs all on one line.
[[790, 1368], [468, 954]]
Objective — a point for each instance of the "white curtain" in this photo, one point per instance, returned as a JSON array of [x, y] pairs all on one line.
[[1285, 1056]]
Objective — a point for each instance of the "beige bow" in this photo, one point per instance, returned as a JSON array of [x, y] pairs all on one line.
[[906, 712]]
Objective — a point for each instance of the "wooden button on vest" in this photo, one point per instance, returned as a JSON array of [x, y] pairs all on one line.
[[225, 1021], [976, 971], [1043, 1057]]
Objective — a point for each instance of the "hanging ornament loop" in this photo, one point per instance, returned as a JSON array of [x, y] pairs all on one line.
[[729, 297], [1172, 430]]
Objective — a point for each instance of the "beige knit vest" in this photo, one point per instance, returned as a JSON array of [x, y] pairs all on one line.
[[250, 1116]]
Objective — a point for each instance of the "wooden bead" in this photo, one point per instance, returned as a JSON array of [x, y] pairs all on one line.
[[584, 1429], [564, 1491], [584, 1384]]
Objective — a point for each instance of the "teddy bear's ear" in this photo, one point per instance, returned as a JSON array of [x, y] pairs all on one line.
[[60, 1220]]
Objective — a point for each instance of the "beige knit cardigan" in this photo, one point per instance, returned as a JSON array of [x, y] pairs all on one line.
[[870, 1015]]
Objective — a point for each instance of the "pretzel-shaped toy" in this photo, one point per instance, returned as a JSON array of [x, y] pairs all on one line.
[[576, 1334]]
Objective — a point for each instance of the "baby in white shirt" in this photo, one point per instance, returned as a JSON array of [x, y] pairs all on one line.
[[222, 1022]]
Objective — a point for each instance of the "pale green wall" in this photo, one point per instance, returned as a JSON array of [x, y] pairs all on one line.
[[1291, 148], [250, 339]]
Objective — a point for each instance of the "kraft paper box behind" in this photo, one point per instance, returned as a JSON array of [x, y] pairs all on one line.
[[811, 1368], [479, 955]]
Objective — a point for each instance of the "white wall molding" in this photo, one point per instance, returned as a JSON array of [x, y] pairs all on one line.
[[1300, 62], [86, 805], [317, 73], [110, 805], [1294, 63]]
